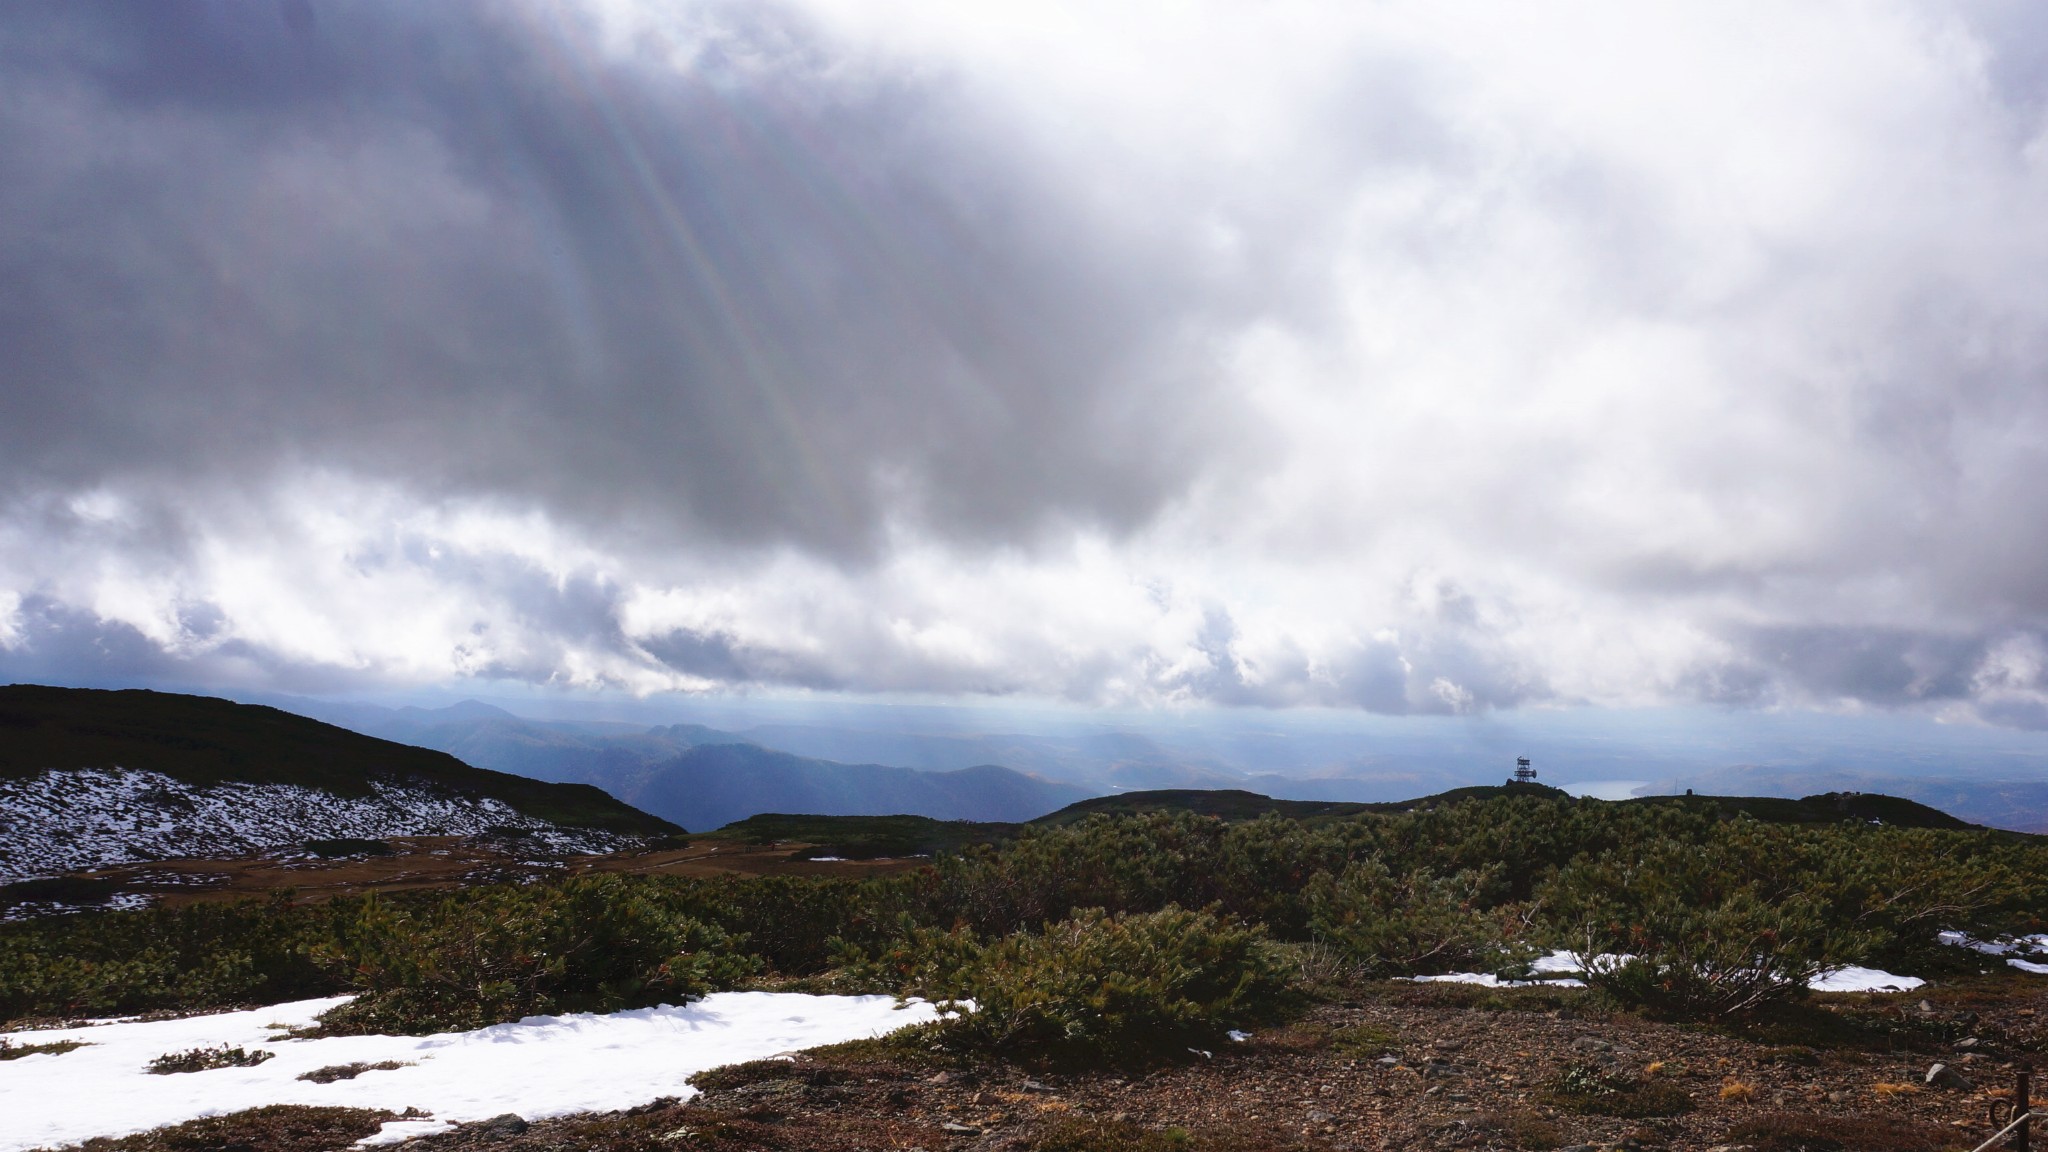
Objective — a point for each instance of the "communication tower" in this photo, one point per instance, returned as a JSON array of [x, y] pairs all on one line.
[[1523, 773]]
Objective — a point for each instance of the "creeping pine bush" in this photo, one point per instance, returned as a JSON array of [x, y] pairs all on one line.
[[1120, 987], [1698, 937], [1417, 924], [589, 944]]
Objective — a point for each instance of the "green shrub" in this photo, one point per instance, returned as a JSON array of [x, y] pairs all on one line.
[[589, 944], [1120, 987], [202, 956], [915, 961], [1410, 925], [1692, 933]]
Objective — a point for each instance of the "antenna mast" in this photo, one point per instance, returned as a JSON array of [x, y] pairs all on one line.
[[1523, 773]]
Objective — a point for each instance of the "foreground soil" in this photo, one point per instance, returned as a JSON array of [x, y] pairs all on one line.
[[1385, 1066]]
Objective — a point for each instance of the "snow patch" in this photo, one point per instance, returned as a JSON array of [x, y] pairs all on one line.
[[73, 819], [541, 1066], [2035, 946], [1851, 978], [1562, 968]]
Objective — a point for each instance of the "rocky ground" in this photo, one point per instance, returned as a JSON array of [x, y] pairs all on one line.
[[1383, 1066]]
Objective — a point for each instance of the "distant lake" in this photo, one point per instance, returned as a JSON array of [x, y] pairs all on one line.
[[1605, 789]]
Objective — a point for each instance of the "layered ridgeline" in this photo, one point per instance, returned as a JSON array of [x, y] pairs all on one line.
[[703, 778], [91, 778]]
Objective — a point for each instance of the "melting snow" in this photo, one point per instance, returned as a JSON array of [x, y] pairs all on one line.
[[540, 1066], [2035, 946], [1570, 965], [1851, 978], [73, 819]]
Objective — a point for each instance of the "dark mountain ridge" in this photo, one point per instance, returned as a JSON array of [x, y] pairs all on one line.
[[204, 741]]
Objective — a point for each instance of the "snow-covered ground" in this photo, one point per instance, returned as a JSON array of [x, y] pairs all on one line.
[[2035, 947], [64, 821], [540, 1066], [1561, 969]]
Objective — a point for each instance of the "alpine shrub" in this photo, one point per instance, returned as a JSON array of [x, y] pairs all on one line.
[[1417, 924], [589, 944], [1118, 987]]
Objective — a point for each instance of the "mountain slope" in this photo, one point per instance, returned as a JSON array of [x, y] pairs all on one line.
[[92, 777], [712, 785]]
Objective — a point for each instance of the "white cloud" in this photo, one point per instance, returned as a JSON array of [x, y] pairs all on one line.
[[1406, 356]]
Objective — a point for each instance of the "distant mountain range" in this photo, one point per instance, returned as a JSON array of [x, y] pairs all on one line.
[[90, 778], [2015, 805], [703, 778]]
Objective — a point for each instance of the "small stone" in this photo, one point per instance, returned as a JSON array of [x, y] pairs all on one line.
[[506, 1124], [1924, 1008], [1943, 1076], [960, 1129], [1967, 1043], [1438, 1090], [1448, 1044]]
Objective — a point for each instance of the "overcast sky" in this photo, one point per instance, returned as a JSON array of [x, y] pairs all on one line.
[[1408, 357]]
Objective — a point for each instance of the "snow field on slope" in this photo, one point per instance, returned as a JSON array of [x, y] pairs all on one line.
[[74, 819], [540, 1066]]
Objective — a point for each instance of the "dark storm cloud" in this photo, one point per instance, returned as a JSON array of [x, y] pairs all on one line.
[[465, 248], [1433, 357]]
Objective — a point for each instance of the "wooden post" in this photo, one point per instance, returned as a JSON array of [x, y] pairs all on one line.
[[2020, 1106]]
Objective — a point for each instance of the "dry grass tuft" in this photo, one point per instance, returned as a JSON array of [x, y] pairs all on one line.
[[1736, 1092], [206, 1059], [333, 1072], [9, 1050], [276, 1128]]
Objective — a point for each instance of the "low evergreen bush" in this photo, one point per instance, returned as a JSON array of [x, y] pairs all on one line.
[[1414, 924], [589, 944], [1125, 987]]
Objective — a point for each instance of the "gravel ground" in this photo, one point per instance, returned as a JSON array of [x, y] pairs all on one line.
[[1375, 1067], [1390, 1068]]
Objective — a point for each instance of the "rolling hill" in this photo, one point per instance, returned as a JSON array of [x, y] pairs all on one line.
[[89, 778]]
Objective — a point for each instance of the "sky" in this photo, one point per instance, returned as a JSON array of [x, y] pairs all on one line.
[[1406, 359]]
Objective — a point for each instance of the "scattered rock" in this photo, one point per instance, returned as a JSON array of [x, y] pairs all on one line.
[[959, 1129], [1036, 1086], [1943, 1076], [507, 1124]]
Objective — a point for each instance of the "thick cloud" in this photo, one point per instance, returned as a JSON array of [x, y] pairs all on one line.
[[481, 253], [1408, 357]]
